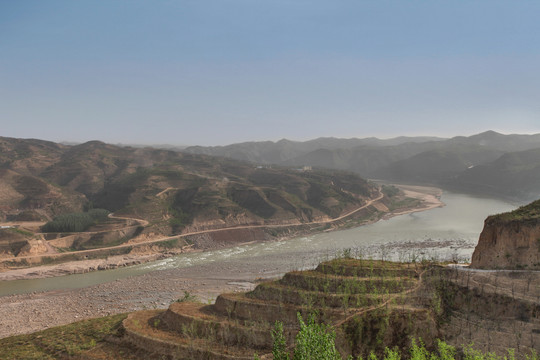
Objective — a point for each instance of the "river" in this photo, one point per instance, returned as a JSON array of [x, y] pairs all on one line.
[[442, 233]]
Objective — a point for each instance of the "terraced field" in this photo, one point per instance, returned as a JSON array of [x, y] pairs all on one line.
[[371, 304]]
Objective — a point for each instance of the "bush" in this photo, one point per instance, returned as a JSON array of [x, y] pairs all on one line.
[[313, 341]]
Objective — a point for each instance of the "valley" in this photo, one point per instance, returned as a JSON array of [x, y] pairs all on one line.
[[40, 303], [211, 235]]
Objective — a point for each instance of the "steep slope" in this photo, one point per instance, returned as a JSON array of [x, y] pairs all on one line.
[[364, 160], [28, 156], [510, 240], [21, 187]]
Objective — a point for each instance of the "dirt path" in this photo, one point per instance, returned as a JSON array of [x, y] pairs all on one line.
[[383, 304]]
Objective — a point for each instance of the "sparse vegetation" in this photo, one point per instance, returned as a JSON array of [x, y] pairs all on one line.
[[188, 297], [68, 341], [317, 341], [349, 316], [527, 212]]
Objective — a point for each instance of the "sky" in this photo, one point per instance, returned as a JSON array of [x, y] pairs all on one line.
[[203, 72]]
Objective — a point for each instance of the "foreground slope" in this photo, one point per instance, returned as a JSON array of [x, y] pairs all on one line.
[[370, 304]]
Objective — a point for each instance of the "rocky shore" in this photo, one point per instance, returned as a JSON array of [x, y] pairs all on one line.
[[83, 266]]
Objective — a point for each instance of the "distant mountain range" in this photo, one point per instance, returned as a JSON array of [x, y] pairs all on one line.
[[488, 163]]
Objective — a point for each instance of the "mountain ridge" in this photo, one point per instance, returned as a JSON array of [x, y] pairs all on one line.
[[434, 161]]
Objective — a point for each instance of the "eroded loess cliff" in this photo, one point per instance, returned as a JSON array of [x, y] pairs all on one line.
[[510, 240]]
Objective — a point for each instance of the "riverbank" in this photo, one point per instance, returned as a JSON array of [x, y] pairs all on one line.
[[429, 197]]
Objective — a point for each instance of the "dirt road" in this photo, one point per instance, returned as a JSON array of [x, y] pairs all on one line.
[[165, 238]]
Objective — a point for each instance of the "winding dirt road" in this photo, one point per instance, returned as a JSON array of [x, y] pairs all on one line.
[[153, 241]]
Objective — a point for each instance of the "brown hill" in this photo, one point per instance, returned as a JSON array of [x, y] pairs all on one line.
[[175, 192]]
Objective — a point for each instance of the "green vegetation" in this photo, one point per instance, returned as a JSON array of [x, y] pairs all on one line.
[[76, 222], [317, 341], [188, 297], [527, 212], [253, 201], [61, 342], [404, 203], [168, 189], [313, 341], [363, 319], [390, 190]]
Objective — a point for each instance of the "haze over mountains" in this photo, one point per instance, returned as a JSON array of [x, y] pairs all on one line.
[[488, 163]]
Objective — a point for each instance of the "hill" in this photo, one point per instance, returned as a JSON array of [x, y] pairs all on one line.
[[36, 173], [516, 174], [460, 163]]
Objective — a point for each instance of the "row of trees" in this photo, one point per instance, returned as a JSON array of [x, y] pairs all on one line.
[[76, 222]]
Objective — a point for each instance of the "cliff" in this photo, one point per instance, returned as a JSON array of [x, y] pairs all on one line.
[[510, 240]]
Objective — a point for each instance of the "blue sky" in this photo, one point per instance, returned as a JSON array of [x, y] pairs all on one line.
[[224, 71]]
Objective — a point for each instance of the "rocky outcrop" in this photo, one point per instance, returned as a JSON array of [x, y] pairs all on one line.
[[34, 247], [510, 240]]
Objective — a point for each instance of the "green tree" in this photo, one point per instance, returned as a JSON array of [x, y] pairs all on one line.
[[313, 341], [279, 350]]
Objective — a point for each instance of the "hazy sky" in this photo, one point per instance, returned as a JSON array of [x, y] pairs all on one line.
[[224, 71]]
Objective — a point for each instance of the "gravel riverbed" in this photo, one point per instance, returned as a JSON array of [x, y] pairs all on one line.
[[26, 313]]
